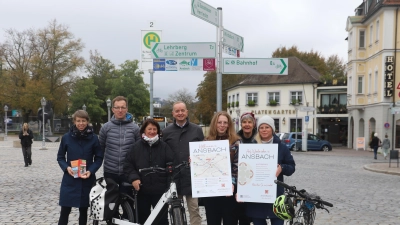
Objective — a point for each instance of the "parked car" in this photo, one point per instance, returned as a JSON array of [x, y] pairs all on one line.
[[280, 135], [313, 142]]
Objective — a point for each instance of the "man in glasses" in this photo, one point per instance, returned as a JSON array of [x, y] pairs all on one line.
[[116, 138], [178, 136]]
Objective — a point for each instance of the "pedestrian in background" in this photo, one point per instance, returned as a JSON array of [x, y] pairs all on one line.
[[222, 208], [385, 146], [149, 151], [259, 212], [26, 136], [375, 142], [79, 143], [116, 138], [177, 136]]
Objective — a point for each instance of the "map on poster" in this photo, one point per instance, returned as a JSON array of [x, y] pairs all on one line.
[[210, 168], [194, 64], [256, 172]]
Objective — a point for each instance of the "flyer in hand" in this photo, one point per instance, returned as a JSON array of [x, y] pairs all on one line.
[[210, 168], [257, 172]]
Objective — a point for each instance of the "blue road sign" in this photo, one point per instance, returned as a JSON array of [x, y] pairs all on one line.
[[159, 64], [306, 119]]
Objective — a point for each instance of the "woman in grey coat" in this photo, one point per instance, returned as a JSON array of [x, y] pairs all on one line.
[[385, 146]]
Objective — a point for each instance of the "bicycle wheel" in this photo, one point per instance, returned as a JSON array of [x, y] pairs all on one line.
[[124, 212], [177, 216]]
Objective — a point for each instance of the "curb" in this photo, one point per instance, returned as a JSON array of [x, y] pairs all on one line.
[[367, 167]]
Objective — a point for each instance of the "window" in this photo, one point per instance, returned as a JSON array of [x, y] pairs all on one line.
[[360, 84], [296, 96], [229, 99], [377, 31], [237, 97], [294, 126], [376, 82], [349, 40], [273, 96], [362, 39], [371, 34], [233, 98], [252, 97], [369, 83]]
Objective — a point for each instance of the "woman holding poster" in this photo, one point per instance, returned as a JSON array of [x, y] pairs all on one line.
[[259, 212], [222, 207]]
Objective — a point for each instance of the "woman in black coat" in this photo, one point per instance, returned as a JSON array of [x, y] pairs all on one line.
[[79, 143], [26, 136], [150, 151]]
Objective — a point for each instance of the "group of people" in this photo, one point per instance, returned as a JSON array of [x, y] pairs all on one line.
[[123, 149], [376, 143]]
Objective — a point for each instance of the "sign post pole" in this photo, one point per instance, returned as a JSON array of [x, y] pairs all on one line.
[[219, 64], [151, 71]]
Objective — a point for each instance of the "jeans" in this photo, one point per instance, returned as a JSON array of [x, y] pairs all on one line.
[[375, 151], [64, 214], [145, 202], [27, 153], [193, 208]]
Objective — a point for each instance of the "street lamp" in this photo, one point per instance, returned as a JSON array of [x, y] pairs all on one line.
[[237, 120], [43, 103], [295, 143], [5, 121], [84, 107], [108, 101]]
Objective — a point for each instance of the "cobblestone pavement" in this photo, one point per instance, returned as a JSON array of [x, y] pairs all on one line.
[[29, 195]]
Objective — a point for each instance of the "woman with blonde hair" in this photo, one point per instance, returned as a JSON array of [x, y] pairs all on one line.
[[222, 207], [26, 136]]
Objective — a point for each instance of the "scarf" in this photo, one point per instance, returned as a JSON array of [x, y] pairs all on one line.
[[152, 140], [81, 134], [268, 142]]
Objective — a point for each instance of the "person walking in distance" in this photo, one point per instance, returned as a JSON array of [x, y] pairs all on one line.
[[177, 136], [26, 136], [385, 146], [375, 144], [116, 138]]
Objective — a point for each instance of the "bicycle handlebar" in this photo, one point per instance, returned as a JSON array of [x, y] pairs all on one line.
[[161, 169], [303, 193]]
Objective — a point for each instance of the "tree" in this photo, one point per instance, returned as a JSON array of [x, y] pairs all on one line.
[[336, 69], [206, 94], [129, 83]]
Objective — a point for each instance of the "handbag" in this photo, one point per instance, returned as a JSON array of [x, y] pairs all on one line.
[[104, 199], [380, 143]]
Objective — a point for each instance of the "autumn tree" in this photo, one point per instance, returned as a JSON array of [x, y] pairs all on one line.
[[129, 83]]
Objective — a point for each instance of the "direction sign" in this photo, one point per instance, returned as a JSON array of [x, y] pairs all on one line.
[[233, 40], [183, 50], [205, 12], [230, 51], [397, 103], [265, 66], [306, 119], [306, 109]]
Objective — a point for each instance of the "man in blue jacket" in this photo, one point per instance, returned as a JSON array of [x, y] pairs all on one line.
[[116, 138]]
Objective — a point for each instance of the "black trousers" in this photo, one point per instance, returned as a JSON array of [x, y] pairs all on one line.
[[220, 209], [64, 214], [27, 152], [145, 202]]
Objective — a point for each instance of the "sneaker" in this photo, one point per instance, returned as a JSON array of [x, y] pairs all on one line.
[[26, 165]]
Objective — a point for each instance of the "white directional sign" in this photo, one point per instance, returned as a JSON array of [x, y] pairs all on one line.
[[233, 40], [205, 12], [272, 66], [306, 109], [183, 50], [230, 51]]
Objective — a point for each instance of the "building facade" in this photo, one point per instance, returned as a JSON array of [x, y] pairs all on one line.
[[373, 88]]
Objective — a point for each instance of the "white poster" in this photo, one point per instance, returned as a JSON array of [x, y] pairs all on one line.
[[148, 36], [256, 172], [210, 168]]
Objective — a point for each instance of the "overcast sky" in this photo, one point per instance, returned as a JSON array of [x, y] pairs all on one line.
[[114, 27]]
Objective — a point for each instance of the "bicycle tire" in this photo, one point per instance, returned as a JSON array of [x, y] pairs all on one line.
[[177, 216], [123, 209]]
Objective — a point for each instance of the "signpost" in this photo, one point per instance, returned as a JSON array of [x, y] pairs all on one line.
[[233, 40], [273, 66], [306, 109], [230, 51], [183, 50], [205, 12]]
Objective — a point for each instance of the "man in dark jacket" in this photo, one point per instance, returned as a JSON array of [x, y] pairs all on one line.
[[116, 138], [178, 136]]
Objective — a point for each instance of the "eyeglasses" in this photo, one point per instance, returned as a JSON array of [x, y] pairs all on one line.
[[222, 123], [119, 108]]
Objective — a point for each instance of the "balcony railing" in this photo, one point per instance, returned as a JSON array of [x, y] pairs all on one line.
[[332, 109]]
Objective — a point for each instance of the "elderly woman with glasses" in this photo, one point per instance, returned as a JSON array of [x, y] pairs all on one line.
[[222, 208]]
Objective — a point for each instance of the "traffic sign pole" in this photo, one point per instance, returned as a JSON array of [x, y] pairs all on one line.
[[219, 70]]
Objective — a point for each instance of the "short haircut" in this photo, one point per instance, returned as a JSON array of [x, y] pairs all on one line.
[[147, 122], [178, 102], [120, 98], [81, 114]]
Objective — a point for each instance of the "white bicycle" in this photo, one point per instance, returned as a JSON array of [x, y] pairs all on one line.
[[169, 201]]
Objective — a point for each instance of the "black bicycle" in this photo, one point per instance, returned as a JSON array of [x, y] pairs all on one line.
[[305, 204], [127, 213]]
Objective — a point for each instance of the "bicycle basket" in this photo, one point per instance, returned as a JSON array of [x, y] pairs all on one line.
[[104, 199], [283, 208]]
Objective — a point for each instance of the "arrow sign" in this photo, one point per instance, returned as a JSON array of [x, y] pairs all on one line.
[[233, 40], [205, 12], [183, 50], [263, 66]]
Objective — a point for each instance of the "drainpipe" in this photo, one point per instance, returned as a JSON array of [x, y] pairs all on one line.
[[394, 80]]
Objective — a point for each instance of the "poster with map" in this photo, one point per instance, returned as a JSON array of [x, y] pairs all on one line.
[[210, 168], [256, 172]]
